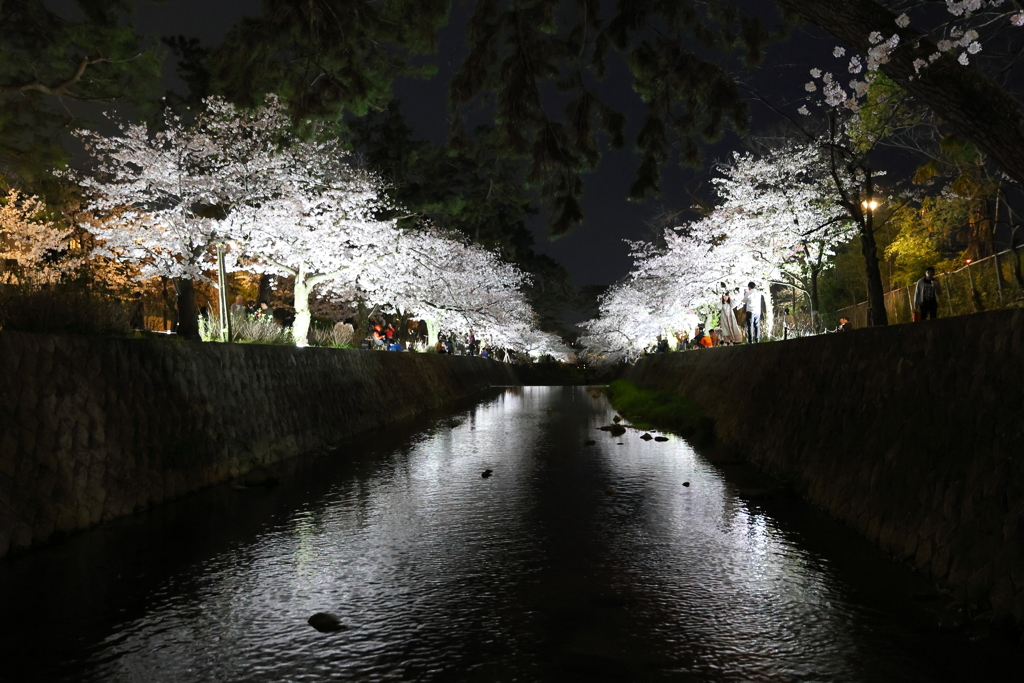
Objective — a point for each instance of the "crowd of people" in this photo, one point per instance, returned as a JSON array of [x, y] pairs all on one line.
[[467, 346], [382, 335], [242, 309], [741, 316]]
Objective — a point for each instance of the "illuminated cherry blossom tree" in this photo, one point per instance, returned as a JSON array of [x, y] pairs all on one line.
[[318, 225], [777, 220], [32, 248], [299, 208], [780, 218], [457, 287], [171, 188]]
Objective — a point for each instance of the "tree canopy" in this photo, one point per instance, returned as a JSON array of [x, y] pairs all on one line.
[[53, 62], [326, 58]]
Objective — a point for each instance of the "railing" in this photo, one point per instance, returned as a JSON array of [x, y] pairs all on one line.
[[974, 287]]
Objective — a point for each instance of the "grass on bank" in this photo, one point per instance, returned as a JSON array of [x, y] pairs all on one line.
[[660, 410]]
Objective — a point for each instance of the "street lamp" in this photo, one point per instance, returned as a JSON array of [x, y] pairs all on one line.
[[870, 205], [970, 278]]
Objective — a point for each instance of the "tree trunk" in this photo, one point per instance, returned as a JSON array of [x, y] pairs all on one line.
[[188, 321], [431, 334], [265, 290], [992, 227], [300, 328], [877, 317], [1017, 275], [169, 307], [814, 300], [402, 329], [975, 105], [362, 326]]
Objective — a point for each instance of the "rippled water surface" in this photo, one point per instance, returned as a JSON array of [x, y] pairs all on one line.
[[573, 562]]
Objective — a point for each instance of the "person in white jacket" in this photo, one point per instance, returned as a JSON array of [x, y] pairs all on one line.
[[753, 304], [926, 295]]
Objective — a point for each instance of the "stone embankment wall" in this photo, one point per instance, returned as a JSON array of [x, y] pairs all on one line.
[[93, 429], [911, 434]]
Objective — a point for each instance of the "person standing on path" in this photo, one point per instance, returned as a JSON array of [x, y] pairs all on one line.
[[753, 304], [926, 295], [731, 333], [238, 309]]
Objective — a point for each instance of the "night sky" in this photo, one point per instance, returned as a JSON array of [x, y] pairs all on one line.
[[594, 253]]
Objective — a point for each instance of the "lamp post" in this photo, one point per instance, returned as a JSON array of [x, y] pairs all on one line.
[[970, 278], [869, 206], [222, 295]]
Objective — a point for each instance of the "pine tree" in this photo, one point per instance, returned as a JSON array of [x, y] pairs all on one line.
[[523, 50], [326, 58], [51, 64]]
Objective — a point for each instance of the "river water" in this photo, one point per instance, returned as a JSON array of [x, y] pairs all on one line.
[[573, 562]]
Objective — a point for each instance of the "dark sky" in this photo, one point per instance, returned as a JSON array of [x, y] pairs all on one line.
[[594, 253]]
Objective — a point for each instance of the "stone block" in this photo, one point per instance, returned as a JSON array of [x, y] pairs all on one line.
[[46, 483], [8, 452], [99, 434], [20, 535], [1017, 611], [909, 545], [940, 562], [923, 559], [43, 529], [82, 516], [979, 583], [80, 433], [874, 527]]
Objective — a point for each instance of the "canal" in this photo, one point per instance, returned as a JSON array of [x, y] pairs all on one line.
[[620, 560]]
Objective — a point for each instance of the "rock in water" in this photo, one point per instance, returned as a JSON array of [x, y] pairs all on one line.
[[325, 622], [617, 419], [646, 437], [617, 430], [486, 473], [589, 442], [686, 483], [661, 438]]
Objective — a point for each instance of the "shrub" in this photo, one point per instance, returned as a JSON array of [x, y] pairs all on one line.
[[338, 336], [61, 310], [252, 329]]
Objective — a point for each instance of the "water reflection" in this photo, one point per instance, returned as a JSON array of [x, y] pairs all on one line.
[[535, 574]]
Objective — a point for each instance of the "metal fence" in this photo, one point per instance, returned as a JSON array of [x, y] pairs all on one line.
[[984, 285]]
